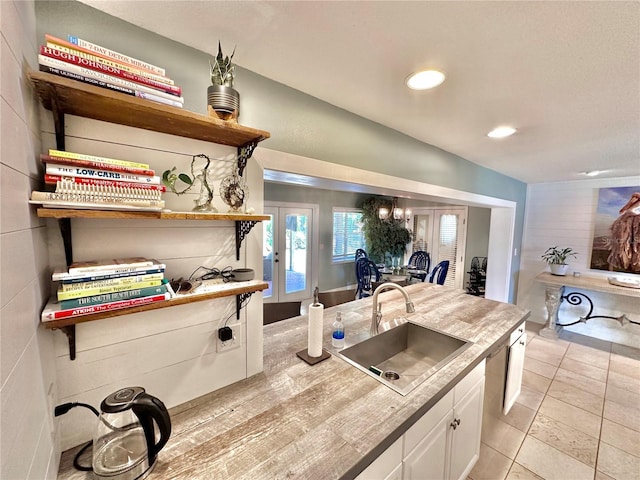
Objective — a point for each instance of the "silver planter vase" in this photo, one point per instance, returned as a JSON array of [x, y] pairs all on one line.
[[223, 102]]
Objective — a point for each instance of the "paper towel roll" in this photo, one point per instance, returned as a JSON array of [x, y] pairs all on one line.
[[316, 317]]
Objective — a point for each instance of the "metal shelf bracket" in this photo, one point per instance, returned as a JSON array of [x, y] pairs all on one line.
[[239, 301], [70, 332], [243, 227]]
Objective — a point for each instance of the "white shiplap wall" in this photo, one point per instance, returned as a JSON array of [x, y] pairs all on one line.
[[27, 441], [563, 214], [171, 352]]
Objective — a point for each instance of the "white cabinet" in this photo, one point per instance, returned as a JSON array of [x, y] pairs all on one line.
[[465, 430], [451, 447], [444, 443], [428, 459], [515, 367], [387, 466]]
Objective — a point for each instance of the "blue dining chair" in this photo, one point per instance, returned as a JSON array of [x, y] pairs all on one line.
[[366, 273], [420, 260], [360, 253], [439, 273]]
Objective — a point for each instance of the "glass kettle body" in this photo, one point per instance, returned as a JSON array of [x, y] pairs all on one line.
[[124, 443]]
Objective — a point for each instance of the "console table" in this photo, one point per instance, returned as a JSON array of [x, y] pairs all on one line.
[[554, 295]]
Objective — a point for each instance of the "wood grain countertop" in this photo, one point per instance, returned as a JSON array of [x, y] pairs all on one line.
[[327, 421]]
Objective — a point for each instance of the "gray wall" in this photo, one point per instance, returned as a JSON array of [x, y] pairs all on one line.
[[27, 360], [299, 124], [477, 237], [330, 275]]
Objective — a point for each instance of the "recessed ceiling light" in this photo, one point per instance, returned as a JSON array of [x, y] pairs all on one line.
[[501, 132], [425, 79], [592, 173]]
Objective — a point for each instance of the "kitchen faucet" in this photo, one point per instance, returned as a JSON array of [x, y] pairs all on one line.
[[376, 312]]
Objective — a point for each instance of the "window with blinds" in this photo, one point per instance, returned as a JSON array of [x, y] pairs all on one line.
[[448, 245], [347, 234]]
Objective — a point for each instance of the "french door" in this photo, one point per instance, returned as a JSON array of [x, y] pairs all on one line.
[[442, 233], [288, 252]]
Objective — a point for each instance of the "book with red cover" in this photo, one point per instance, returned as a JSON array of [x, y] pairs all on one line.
[[85, 172], [133, 68], [110, 70], [99, 165], [54, 311], [50, 179], [64, 72], [104, 52]]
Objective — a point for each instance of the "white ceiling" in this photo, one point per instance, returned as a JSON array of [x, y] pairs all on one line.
[[566, 74]]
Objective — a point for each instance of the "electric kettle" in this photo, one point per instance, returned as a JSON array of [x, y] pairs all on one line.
[[124, 443]]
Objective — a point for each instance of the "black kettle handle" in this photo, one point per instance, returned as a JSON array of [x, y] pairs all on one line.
[[148, 408]]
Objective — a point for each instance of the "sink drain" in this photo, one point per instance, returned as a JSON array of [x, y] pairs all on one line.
[[391, 375]]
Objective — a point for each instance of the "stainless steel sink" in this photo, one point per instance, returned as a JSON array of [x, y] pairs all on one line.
[[405, 356]]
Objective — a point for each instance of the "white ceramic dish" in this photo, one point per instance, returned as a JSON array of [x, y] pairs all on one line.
[[624, 282]]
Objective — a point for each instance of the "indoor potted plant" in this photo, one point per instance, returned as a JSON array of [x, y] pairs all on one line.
[[223, 101], [556, 258], [384, 238]]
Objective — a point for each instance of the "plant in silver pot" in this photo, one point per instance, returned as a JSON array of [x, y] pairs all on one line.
[[223, 101], [556, 257]]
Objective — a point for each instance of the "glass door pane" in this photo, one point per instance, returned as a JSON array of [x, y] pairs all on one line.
[[297, 255], [287, 253], [269, 253]]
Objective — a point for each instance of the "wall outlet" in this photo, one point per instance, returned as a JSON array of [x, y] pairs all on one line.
[[234, 342]]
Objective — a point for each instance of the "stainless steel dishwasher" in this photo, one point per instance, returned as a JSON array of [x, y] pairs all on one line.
[[504, 373]]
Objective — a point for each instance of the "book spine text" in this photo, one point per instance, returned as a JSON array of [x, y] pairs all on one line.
[[93, 77], [93, 164], [62, 295], [117, 56], [129, 280], [94, 158], [53, 312], [51, 179], [69, 171], [108, 69], [112, 297], [67, 279]]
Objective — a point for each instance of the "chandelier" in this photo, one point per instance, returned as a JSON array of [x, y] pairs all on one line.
[[394, 213]]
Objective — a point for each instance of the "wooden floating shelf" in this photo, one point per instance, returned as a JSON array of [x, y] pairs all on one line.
[[76, 98], [79, 213], [237, 288], [241, 290]]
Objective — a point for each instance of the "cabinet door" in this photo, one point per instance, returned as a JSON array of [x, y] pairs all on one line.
[[515, 366], [388, 466], [465, 438], [428, 460]]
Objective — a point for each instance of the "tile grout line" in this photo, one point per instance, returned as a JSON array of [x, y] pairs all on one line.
[[604, 401]]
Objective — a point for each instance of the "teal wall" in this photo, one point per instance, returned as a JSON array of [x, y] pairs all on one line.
[[299, 124]]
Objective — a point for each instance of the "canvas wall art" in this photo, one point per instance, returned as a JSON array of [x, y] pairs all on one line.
[[616, 237]]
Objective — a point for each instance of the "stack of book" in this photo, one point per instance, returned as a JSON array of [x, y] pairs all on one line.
[[105, 285], [81, 60], [91, 182]]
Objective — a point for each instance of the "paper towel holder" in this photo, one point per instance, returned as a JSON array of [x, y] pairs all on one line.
[[304, 355]]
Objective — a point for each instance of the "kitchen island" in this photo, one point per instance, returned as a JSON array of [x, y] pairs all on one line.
[[330, 420]]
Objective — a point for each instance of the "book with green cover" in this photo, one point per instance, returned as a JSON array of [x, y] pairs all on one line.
[[125, 282], [113, 297], [62, 295]]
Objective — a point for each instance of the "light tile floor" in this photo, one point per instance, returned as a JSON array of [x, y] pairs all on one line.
[[577, 418]]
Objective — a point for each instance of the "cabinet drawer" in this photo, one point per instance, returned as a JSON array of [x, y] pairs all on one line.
[[468, 382], [516, 333], [427, 422]]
